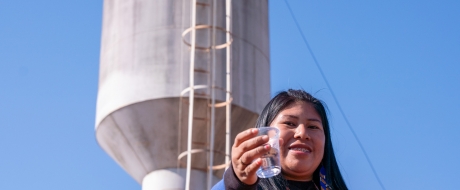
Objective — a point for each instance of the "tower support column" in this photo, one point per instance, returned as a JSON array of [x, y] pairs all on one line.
[[174, 179]]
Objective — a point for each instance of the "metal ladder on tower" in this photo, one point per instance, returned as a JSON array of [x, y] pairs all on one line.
[[195, 90]]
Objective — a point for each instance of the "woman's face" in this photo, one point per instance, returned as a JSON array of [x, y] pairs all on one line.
[[303, 137]]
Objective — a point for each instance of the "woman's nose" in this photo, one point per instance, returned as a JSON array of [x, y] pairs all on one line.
[[301, 132]]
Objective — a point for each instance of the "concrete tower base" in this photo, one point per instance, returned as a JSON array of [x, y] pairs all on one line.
[[174, 179]]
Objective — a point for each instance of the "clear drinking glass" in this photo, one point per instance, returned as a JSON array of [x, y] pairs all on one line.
[[271, 160]]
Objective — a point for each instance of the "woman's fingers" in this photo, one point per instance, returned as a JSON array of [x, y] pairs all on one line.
[[248, 145], [245, 135], [253, 143], [248, 156], [253, 167], [247, 174], [247, 141]]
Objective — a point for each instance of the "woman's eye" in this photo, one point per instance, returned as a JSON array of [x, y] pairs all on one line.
[[313, 127], [289, 124]]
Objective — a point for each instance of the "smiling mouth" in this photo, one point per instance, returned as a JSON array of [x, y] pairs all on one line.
[[301, 150]]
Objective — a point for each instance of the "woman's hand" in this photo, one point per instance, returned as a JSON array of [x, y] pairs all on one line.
[[246, 152]]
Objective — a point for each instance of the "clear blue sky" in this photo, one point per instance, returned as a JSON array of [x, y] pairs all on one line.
[[393, 65]]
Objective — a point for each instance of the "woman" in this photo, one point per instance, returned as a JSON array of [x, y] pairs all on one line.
[[306, 151]]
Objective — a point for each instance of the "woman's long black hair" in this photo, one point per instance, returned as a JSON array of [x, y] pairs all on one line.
[[282, 100]]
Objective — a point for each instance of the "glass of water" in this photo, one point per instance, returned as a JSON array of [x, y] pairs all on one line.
[[271, 160]]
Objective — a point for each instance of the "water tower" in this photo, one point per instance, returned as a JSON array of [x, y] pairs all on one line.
[[178, 80]]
